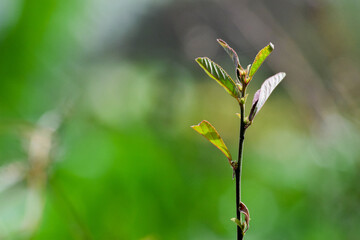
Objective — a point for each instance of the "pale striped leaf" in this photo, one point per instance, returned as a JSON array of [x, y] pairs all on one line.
[[264, 92], [231, 52], [219, 74], [210, 133], [260, 58]]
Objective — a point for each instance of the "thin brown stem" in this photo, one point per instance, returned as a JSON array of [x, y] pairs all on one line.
[[240, 233]]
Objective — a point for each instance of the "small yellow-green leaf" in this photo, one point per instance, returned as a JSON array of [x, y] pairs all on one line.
[[210, 133], [237, 221], [260, 58], [219, 74], [238, 114]]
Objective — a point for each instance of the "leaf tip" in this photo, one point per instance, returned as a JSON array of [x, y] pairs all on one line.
[[221, 42], [197, 125], [271, 45]]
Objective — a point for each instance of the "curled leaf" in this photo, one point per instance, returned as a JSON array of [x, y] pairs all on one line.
[[219, 74], [264, 92], [231, 52], [210, 133], [243, 225], [244, 210], [254, 109], [259, 59]]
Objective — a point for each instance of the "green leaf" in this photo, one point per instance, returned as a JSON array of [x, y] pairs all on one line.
[[231, 52], [210, 133], [242, 225], [237, 221], [260, 58], [219, 74]]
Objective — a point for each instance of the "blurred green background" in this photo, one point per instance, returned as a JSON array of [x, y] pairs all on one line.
[[96, 100]]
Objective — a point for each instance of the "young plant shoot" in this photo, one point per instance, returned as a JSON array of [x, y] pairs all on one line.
[[237, 89]]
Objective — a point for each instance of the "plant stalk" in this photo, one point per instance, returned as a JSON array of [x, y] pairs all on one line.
[[240, 234]]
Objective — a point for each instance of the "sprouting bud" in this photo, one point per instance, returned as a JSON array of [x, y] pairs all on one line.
[[248, 68], [239, 86], [247, 122], [241, 75], [234, 165], [247, 78]]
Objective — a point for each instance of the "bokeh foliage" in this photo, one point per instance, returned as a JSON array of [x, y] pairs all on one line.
[[112, 89]]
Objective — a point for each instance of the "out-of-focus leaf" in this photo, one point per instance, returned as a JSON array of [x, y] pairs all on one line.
[[243, 209], [259, 59], [11, 174], [238, 114], [264, 92], [219, 74], [231, 52], [210, 133]]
